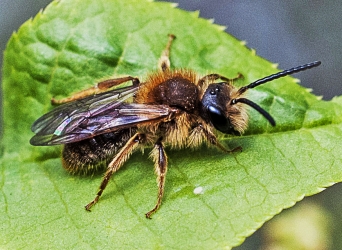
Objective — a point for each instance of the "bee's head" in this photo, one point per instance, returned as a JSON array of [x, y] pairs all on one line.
[[224, 105]]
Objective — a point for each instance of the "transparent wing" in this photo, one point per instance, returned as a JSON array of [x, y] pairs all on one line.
[[94, 115]]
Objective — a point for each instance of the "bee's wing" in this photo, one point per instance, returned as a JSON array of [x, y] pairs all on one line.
[[91, 116], [81, 109]]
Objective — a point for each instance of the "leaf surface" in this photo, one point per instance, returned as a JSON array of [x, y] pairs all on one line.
[[70, 46]]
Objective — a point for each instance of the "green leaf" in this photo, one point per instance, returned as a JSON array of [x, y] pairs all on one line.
[[73, 44]]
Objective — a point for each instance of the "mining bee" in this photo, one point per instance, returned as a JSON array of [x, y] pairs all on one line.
[[171, 107]]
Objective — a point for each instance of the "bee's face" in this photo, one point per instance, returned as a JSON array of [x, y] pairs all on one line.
[[217, 107]]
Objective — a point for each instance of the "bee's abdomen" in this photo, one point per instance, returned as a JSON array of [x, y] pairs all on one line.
[[91, 155]]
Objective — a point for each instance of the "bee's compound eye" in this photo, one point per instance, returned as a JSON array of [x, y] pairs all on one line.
[[220, 121], [217, 118]]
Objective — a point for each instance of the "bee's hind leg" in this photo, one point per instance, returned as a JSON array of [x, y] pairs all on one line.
[[98, 88], [116, 163]]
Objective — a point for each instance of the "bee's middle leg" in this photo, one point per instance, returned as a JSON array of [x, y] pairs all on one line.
[[213, 77], [160, 164]]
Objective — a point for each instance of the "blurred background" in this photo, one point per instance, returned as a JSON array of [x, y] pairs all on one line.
[[286, 32]]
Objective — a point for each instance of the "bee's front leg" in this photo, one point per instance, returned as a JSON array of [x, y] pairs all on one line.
[[160, 164], [212, 139]]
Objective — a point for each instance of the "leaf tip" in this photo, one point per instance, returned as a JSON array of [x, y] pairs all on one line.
[[323, 188], [243, 42], [221, 27], [309, 90], [195, 13], [174, 5], [217, 26], [275, 65], [211, 20]]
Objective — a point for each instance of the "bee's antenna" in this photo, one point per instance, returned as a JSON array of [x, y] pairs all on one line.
[[263, 112], [267, 79], [279, 75]]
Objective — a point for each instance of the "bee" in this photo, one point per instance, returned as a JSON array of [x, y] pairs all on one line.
[[102, 126]]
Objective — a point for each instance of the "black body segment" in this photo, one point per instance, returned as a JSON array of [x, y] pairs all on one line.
[[93, 155]]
